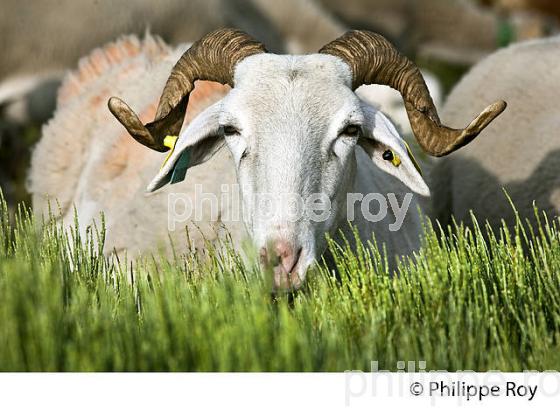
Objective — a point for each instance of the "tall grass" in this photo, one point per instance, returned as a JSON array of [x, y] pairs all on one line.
[[460, 303]]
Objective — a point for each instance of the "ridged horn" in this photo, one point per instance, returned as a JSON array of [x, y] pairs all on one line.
[[212, 58], [374, 60]]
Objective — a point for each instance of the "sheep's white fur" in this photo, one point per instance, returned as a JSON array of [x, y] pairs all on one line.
[[87, 160], [520, 151], [290, 109]]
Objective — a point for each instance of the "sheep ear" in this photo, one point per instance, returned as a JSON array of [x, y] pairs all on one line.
[[196, 143], [389, 151]]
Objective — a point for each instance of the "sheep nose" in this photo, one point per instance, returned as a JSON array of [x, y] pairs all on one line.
[[283, 258], [286, 254]]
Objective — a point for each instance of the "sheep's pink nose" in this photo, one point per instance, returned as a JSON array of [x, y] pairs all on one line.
[[287, 256], [283, 257]]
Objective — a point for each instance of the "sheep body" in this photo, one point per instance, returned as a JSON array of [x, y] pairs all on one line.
[[87, 160], [520, 151]]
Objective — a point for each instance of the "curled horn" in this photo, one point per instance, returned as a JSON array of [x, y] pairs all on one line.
[[374, 60], [212, 58]]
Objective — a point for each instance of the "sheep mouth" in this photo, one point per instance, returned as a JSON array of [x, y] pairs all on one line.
[[286, 282]]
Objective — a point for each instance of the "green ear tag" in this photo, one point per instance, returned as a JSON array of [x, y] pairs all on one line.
[[181, 166]]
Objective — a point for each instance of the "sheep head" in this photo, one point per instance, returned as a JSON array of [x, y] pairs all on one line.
[[293, 125]]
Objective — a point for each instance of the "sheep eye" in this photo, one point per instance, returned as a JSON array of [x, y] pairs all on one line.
[[351, 131], [230, 130], [388, 155]]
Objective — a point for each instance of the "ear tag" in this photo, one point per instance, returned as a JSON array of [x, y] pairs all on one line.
[[396, 161], [181, 166], [169, 142], [414, 162]]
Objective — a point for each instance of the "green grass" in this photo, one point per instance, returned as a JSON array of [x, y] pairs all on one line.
[[462, 303]]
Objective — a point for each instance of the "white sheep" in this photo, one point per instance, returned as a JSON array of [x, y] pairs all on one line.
[[519, 152], [293, 128]]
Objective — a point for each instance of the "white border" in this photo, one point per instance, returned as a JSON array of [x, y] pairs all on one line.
[[267, 391]]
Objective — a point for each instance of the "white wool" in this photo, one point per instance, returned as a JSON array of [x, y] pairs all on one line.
[[519, 151]]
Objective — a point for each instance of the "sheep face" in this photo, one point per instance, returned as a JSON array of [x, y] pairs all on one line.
[[292, 124]]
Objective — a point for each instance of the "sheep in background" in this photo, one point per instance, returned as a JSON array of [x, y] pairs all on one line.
[[291, 125], [520, 151], [456, 31]]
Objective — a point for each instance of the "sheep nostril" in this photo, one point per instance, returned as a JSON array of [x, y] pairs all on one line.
[[282, 255], [287, 256]]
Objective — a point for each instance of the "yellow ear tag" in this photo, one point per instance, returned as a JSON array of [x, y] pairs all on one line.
[[396, 161], [169, 142], [414, 162]]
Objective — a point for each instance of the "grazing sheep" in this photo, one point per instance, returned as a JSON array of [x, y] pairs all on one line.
[[292, 128], [519, 152]]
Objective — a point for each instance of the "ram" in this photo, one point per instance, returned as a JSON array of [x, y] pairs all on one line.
[[290, 127], [520, 152]]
